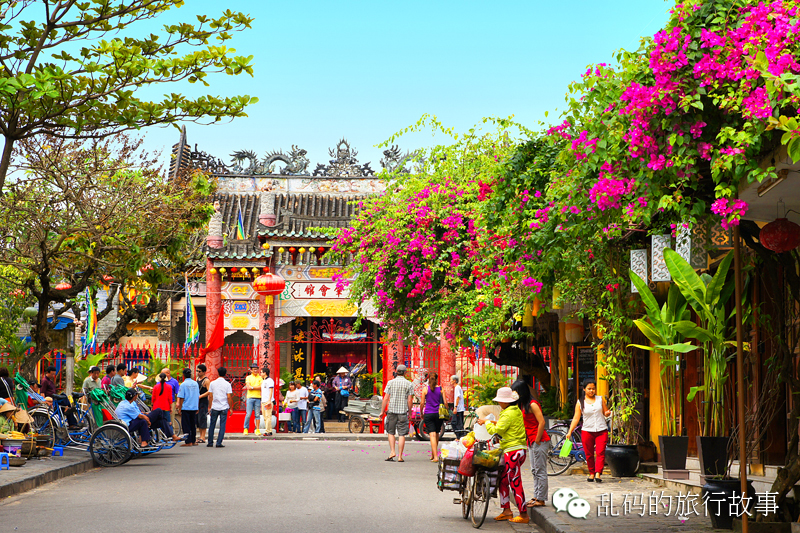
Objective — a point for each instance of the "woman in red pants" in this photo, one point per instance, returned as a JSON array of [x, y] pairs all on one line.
[[594, 433]]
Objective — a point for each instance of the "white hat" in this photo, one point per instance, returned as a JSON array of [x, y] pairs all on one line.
[[140, 378], [506, 395], [342, 370]]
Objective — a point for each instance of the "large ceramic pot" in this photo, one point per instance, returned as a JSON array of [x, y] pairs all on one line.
[[720, 493], [622, 459], [713, 455], [673, 452]]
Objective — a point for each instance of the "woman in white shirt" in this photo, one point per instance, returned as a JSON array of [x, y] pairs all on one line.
[[290, 404], [594, 433]]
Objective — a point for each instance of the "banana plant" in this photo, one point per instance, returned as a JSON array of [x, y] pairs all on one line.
[[657, 326], [708, 296]]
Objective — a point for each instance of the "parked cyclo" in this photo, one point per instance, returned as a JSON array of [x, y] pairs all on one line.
[[98, 429]]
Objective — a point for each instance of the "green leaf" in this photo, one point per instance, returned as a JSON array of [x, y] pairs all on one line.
[[689, 283], [691, 330], [693, 392], [684, 347]]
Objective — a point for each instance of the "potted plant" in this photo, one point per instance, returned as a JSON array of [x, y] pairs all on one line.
[[707, 295], [622, 454], [657, 326]]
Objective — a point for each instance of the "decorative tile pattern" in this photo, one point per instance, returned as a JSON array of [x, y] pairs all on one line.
[[720, 238], [699, 244], [660, 271], [639, 265], [683, 243]]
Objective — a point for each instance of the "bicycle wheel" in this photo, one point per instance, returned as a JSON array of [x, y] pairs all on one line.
[[481, 494], [110, 445], [355, 424], [466, 497], [43, 424], [555, 463]]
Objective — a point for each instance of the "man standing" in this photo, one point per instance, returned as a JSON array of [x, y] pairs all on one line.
[[342, 384], [315, 411], [252, 384], [119, 377], [188, 398], [202, 404], [398, 398], [458, 406], [172, 382], [111, 370], [220, 395], [267, 397], [302, 407]]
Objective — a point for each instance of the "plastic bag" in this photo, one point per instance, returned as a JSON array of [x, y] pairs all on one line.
[[487, 458], [466, 468], [468, 440], [566, 447], [450, 450]]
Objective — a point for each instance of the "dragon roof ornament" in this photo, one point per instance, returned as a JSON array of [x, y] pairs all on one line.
[[344, 163]]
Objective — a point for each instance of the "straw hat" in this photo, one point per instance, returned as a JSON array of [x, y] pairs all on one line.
[[342, 370], [22, 417], [7, 407], [506, 395]]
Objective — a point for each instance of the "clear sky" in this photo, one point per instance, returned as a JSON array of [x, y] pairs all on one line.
[[364, 70]]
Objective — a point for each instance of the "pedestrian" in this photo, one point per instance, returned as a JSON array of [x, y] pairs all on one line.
[[342, 384], [162, 394], [458, 407], [175, 386], [290, 406], [220, 395], [188, 399], [323, 402], [314, 408], [6, 385], [111, 371], [267, 399], [537, 439], [511, 428], [594, 433], [302, 407], [119, 377], [431, 400], [252, 384], [202, 403], [398, 399]]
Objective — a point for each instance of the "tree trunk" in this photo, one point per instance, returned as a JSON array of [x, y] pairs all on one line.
[[40, 336], [5, 162]]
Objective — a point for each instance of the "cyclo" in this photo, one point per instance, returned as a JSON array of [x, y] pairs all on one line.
[[105, 436]]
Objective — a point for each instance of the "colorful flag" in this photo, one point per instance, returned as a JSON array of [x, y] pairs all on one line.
[[192, 327], [90, 340], [240, 226]]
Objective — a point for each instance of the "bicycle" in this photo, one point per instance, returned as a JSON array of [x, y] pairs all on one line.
[[477, 492], [558, 433]]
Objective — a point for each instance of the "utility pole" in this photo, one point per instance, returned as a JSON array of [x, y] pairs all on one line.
[[71, 356]]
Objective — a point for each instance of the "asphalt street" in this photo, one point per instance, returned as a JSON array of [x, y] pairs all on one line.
[[293, 486]]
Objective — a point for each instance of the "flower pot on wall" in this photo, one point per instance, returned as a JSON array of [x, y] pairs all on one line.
[[713, 455], [673, 452], [720, 493], [622, 459]]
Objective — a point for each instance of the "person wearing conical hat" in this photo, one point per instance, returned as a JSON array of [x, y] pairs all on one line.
[[343, 385], [7, 409]]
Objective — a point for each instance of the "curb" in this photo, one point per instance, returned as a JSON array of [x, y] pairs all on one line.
[[549, 524], [37, 480]]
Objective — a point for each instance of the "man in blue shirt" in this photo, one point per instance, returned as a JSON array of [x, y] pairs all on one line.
[[315, 411], [128, 412], [188, 403]]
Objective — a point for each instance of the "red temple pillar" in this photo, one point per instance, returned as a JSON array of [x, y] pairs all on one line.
[[267, 355], [213, 313], [393, 355], [447, 359]]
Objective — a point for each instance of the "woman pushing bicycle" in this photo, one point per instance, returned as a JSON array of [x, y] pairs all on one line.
[[594, 433], [511, 428]]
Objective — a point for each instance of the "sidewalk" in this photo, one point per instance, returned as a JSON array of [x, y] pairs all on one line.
[[641, 494], [37, 472]]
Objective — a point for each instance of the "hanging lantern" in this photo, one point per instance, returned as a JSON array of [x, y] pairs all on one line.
[[63, 286], [556, 298], [222, 270], [527, 316], [254, 271], [312, 249], [780, 235], [269, 285], [265, 246], [265, 270], [234, 269], [281, 250], [537, 306], [30, 312], [108, 279], [302, 250], [574, 330], [213, 271]]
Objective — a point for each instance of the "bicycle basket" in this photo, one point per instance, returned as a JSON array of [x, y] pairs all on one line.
[[487, 458]]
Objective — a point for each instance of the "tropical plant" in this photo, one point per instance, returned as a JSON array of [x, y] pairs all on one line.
[[366, 384], [484, 387], [707, 295], [153, 367], [16, 349], [82, 367], [659, 330]]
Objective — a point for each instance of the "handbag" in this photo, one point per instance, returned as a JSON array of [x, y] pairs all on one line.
[[345, 393], [444, 412]]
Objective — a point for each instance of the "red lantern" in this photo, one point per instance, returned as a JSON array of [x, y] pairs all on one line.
[[234, 269], [63, 286], [108, 279], [780, 235], [269, 285]]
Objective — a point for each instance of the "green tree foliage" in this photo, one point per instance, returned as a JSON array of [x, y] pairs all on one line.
[[92, 213], [74, 69]]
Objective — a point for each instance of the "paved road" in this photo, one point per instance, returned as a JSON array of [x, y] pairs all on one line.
[[294, 486]]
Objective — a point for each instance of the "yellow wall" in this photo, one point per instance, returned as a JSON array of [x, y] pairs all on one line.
[[602, 384], [656, 411]]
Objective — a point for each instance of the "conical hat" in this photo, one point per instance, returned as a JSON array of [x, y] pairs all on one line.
[[342, 370], [22, 417], [7, 407]]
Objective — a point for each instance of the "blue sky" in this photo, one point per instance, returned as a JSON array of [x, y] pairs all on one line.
[[364, 70]]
